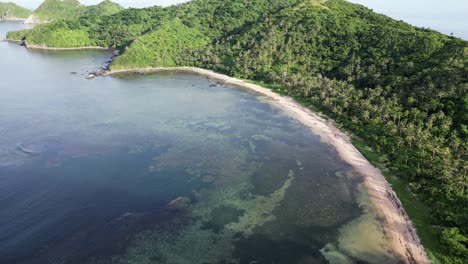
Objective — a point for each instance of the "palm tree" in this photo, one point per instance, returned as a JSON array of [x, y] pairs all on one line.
[[365, 114]]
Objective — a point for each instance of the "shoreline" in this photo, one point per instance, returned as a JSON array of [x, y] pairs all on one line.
[[399, 228], [38, 47], [11, 41], [12, 19]]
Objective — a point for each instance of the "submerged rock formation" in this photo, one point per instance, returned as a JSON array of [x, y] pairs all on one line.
[[179, 204]]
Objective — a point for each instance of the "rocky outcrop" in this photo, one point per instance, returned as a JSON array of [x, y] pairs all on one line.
[[32, 19]]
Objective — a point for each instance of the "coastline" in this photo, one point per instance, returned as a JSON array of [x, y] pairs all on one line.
[[395, 220], [38, 47], [11, 41], [12, 19]]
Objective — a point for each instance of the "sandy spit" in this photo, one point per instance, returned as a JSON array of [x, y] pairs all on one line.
[[13, 19], [396, 222], [37, 47], [11, 40]]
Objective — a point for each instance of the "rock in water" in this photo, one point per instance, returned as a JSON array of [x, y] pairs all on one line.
[[179, 204], [38, 147]]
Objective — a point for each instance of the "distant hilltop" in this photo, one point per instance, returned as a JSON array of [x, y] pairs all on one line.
[[105, 8], [52, 10], [12, 12]]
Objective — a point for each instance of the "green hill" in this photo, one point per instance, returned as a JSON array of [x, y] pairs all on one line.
[[161, 48], [402, 90], [104, 8], [51, 10], [11, 11]]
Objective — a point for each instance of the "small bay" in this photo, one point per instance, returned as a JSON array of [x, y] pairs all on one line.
[[165, 168]]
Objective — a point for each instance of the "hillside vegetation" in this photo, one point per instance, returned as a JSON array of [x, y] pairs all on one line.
[[51, 10], [56, 10], [105, 8], [162, 47], [11, 11], [400, 89]]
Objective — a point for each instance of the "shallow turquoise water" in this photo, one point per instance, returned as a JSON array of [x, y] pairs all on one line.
[[162, 168]]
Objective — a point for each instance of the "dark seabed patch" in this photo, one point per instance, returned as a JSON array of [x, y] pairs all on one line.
[[262, 250], [270, 176], [221, 216]]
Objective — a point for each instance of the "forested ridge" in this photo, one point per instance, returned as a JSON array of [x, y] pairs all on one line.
[[51, 10], [403, 90], [104, 8], [54, 10]]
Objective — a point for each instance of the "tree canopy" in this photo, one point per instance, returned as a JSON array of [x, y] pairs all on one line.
[[51, 10]]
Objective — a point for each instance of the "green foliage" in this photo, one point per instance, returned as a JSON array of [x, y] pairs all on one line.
[[215, 18], [116, 31], [120, 29], [18, 35], [455, 242], [13, 11], [55, 10], [402, 89], [163, 47], [105, 8], [56, 35], [51, 10], [75, 38]]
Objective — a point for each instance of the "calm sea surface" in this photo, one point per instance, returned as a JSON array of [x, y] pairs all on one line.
[[165, 168]]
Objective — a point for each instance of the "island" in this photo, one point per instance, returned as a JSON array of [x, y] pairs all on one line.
[[400, 91], [53, 10], [13, 12]]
